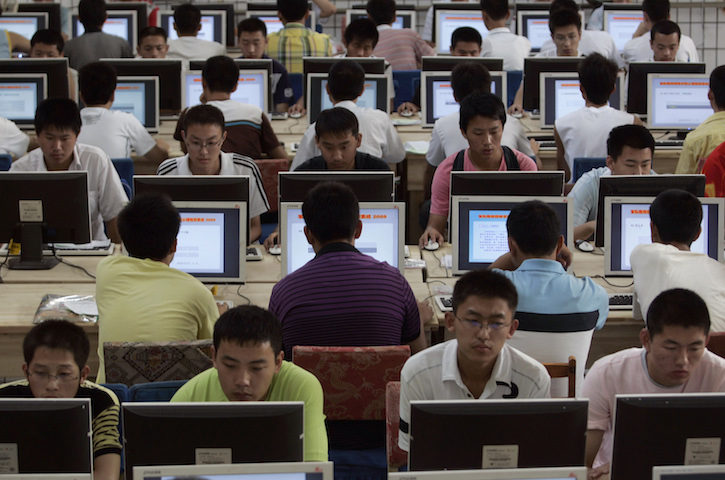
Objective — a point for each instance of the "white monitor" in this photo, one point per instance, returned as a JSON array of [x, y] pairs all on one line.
[[375, 94], [121, 23], [213, 25], [240, 471], [448, 17], [621, 24], [551, 473], [383, 234], [139, 96], [20, 94], [627, 224], [403, 18], [677, 101], [689, 472], [24, 23], [251, 88]]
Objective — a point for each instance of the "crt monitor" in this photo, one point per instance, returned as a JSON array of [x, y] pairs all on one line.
[[211, 432], [403, 18], [641, 186], [252, 88], [45, 436], [139, 96], [242, 471], [478, 227], [534, 25], [213, 25], [367, 186], [382, 237], [541, 183], [535, 66], [447, 17], [228, 9], [627, 224], [142, 12], [497, 433], [121, 23], [43, 207], [20, 95], [246, 64], [689, 472], [52, 9], [621, 20], [552, 473], [658, 430], [375, 94], [24, 23], [167, 70], [437, 94], [637, 86], [55, 69], [446, 63], [677, 101]]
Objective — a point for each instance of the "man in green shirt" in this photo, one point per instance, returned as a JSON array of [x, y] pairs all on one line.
[[249, 366]]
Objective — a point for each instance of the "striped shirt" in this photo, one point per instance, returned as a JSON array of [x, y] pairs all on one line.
[[403, 48], [345, 298], [295, 41]]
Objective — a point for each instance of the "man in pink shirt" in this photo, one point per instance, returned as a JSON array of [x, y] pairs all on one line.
[[673, 360], [482, 117], [403, 48]]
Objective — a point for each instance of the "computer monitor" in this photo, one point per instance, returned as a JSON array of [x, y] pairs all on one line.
[[383, 234], [478, 227], [142, 13], [563, 473], [621, 20], [446, 63], [627, 224], [497, 434], [246, 64], [677, 101], [637, 86], [24, 23], [656, 430], [139, 96], [213, 25], [641, 186], [121, 23], [38, 207], [267, 12], [45, 436], [561, 95], [212, 432], [403, 18], [323, 64], [20, 95], [242, 471], [534, 25], [447, 17], [168, 71], [367, 186], [252, 88], [535, 184], [56, 70], [689, 472], [231, 25], [375, 94], [52, 9], [535, 66]]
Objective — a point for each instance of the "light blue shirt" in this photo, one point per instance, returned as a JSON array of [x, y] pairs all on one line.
[[4, 44]]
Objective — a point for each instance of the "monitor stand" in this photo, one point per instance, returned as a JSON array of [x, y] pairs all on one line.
[[31, 250]]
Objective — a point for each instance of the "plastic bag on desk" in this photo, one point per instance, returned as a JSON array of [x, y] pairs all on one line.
[[73, 308]]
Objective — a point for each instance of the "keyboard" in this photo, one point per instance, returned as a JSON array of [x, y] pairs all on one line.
[[444, 303], [668, 143], [253, 254], [547, 144], [620, 301]]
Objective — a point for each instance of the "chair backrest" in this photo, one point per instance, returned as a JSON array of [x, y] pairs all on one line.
[[564, 370], [353, 378], [583, 164], [269, 168], [124, 167], [405, 82], [396, 457], [5, 162], [140, 362], [297, 82], [155, 391], [120, 389], [717, 343], [513, 80]]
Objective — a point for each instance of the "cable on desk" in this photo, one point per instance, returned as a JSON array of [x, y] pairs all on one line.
[[61, 260], [249, 302], [441, 263], [610, 283]]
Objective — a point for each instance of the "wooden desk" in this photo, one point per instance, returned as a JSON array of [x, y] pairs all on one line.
[[61, 273]]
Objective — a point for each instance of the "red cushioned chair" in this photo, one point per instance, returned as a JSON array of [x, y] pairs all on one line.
[[717, 343], [396, 457]]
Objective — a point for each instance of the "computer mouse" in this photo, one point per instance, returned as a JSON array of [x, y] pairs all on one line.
[[275, 250], [431, 245], [518, 115], [407, 113], [584, 246], [295, 115]]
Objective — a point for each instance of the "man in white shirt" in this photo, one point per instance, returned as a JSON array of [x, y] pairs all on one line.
[[13, 142], [500, 42], [664, 41], [152, 43], [187, 23]]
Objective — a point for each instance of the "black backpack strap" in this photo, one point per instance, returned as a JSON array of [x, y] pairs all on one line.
[[512, 163], [458, 162]]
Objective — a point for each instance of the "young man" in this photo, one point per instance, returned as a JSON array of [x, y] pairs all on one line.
[[139, 297], [360, 38], [249, 366], [500, 42], [664, 41], [203, 133], [94, 44], [56, 352], [667, 262], [583, 132], [478, 364], [187, 23], [57, 125], [709, 134], [253, 42], [152, 43], [673, 360], [46, 44], [402, 48], [115, 132], [482, 119]]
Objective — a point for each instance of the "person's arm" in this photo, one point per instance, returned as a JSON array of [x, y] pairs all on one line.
[[281, 107], [585, 230], [327, 8], [278, 152], [112, 230], [435, 154], [425, 312], [518, 106], [393, 149], [272, 239], [298, 107], [688, 160], [505, 262], [255, 229], [19, 43], [561, 156], [158, 153], [107, 467], [594, 441], [436, 225]]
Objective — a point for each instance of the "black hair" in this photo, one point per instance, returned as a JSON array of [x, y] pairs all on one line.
[[203, 115], [336, 120], [633, 136], [563, 5], [717, 86], [57, 334], [148, 225], [361, 29], [496, 9], [331, 212], [484, 284], [465, 34], [597, 76], [678, 307], [61, 113], [220, 73], [251, 25], [484, 105], [564, 17], [665, 27], [97, 82], [92, 14], [292, 10], [248, 324], [534, 216], [346, 80], [656, 10], [152, 31], [187, 18], [381, 11], [47, 36], [677, 214], [468, 78]]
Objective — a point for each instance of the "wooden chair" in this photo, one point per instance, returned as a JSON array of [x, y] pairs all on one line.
[[396, 457], [564, 370], [717, 343]]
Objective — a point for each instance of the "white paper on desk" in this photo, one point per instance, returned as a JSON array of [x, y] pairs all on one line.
[[94, 245], [447, 261], [82, 306], [419, 147]]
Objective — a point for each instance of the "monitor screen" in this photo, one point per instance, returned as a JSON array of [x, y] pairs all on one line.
[[119, 23], [139, 96], [20, 95], [541, 183], [230, 15], [437, 94], [690, 472], [562, 96], [375, 94], [243, 471], [564, 473], [637, 86], [272, 22], [213, 25], [25, 24], [56, 70], [534, 25], [497, 433], [251, 88], [383, 234], [621, 24], [478, 227], [367, 186], [167, 70], [52, 9], [403, 19], [449, 17], [535, 66], [677, 101]]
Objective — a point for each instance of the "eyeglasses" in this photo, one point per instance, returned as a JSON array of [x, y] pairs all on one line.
[[478, 325], [197, 146], [61, 377]]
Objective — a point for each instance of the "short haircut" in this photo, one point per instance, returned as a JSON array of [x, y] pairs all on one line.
[[61, 113], [597, 76], [633, 136], [361, 29], [203, 115], [152, 31], [563, 5], [563, 18], [331, 212], [97, 82], [381, 11], [148, 225], [465, 34], [92, 14], [656, 10], [60, 335], [187, 18], [496, 9], [534, 216], [678, 307], [484, 284], [717, 85], [346, 80], [665, 27], [47, 36], [677, 214], [292, 10], [251, 25], [248, 324], [336, 120], [220, 73], [481, 104], [468, 78]]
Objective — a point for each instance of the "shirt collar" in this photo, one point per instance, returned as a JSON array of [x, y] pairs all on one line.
[[336, 247], [499, 30], [349, 104], [541, 265], [384, 27], [501, 372], [75, 164]]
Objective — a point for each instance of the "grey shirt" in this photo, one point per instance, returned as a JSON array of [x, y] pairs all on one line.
[[90, 47]]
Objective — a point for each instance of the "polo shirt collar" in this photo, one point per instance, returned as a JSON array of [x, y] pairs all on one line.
[[336, 247], [227, 165], [384, 27], [349, 104], [499, 30], [540, 265], [501, 372]]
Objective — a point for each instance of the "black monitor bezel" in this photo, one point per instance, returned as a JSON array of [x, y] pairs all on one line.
[[534, 67], [52, 9], [549, 183], [56, 70], [637, 86], [167, 69]]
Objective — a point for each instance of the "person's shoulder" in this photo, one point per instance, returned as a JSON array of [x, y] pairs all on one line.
[[92, 156], [593, 175], [523, 364], [26, 162], [426, 360], [370, 162], [101, 396], [200, 388], [17, 389], [243, 163], [169, 167], [294, 375]]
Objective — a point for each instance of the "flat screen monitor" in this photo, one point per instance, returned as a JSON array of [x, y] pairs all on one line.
[[213, 25], [447, 17], [198, 433], [246, 64], [437, 94], [121, 23], [52, 9], [485, 433], [45, 436], [637, 86], [20, 95], [535, 184], [535, 66], [367, 186], [24, 23], [478, 227], [534, 25], [627, 224], [677, 101], [689, 472], [267, 12], [56, 70], [167, 70], [231, 25], [446, 63], [563, 473], [621, 22], [641, 186], [243, 471], [383, 234], [252, 88], [43, 207], [403, 18], [139, 96], [375, 94], [142, 13], [691, 432]]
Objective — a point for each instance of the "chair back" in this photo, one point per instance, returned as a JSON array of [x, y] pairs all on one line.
[[564, 370], [396, 457], [269, 168], [297, 82], [717, 343], [405, 82], [5, 162], [120, 389], [124, 167], [583, 164], [154, 391], [513, 80]]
